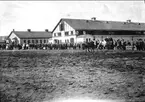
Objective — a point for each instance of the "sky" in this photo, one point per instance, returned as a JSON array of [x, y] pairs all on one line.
[[41, 15]]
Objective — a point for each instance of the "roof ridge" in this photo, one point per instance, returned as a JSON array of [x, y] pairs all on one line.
[[33, 31], [102, 20]]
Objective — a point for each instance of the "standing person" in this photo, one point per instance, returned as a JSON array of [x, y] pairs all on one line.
[[96, 44], [137, 44], [142, 44], [124, 45], [134, 44]]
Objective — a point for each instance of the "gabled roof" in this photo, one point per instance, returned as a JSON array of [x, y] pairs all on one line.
[[83, 24], [3, 39], [32, 34]]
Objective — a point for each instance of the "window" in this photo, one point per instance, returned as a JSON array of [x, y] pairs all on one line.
[[54, 34], [61, 26], [36, 41], [138, 32], [60, 41], [87, 40], [55, 41], [67, 41], [44, 41], [24, 41], [111, 33], [71, 32], [72, 40], [40, 41], [32, 41], [66, 33], [59, 34], [28, 41]]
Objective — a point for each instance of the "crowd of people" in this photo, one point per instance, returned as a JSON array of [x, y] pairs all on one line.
[[107, 43]]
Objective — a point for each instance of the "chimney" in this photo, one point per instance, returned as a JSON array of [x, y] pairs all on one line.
[[93, 18], [128, 21], [46, 30], [29, 30], [13, 30]]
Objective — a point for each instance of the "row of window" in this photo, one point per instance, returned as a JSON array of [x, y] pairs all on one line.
[[67, 33], [67, 41], [71, 40], [88, 39], [35, 41]]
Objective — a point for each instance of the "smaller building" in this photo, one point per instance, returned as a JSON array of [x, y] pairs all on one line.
[[30, 37], [3, 40]]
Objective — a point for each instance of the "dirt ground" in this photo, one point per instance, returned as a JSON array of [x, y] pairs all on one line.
[[52, 76]]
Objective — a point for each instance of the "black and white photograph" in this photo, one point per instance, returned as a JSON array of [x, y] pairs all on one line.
[[72, 51]]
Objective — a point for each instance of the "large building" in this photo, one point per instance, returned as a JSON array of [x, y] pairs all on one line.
[[30, 37], [80, 30]]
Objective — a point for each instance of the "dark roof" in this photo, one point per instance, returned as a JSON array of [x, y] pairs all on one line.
[[3, 39], [82, 24], [32, 34], [85, 36]]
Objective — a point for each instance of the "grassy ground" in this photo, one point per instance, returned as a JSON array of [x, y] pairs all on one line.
[[39, 76]]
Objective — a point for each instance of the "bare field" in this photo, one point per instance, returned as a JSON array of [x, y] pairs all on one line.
[[47, 76]]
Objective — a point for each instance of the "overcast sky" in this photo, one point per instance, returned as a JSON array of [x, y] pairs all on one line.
[[41, 15]]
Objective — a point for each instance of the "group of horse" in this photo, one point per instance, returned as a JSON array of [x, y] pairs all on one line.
[[104, 44]]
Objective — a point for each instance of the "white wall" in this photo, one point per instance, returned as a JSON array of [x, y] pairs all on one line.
[[50, 40], [80, 40], [68, 28], [13, 35], [83, 38]]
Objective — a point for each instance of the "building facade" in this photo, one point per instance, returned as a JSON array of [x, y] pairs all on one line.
[[63, 33], [80, 30], [30, 37]]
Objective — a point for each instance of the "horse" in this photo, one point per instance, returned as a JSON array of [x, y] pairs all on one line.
[[102, 45], [88, 46]]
